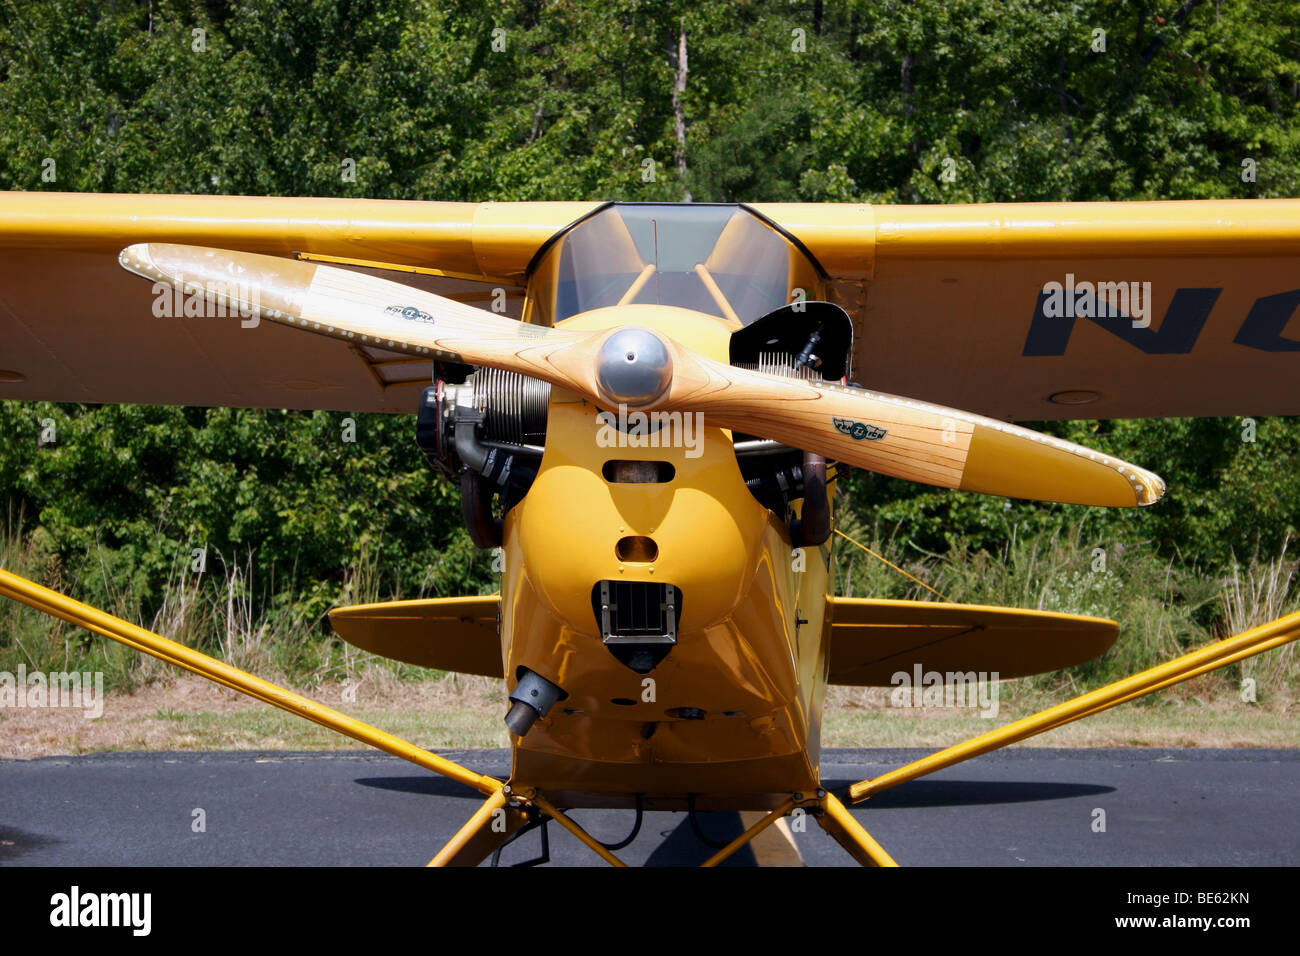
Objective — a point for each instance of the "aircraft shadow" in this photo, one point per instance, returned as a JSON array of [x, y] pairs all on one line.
[[916, 794], [431, 785], [967, 793], [681, 847], [15, 843]]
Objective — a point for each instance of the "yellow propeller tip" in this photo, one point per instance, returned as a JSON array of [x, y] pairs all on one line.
[[1150, 489]]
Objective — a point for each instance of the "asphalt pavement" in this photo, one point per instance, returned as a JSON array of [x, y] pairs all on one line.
[[1020, 807]]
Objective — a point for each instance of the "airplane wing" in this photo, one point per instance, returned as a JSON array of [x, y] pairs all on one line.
[[874, 640], [996, 308], [74, 327], [1016, 311]]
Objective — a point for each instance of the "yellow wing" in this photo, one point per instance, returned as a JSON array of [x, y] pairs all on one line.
[[75, 327], [873, 640], [992, 308], [450, 634], [956, 304]]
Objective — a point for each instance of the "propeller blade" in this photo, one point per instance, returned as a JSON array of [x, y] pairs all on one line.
[[908, 439], [355, 307], [887, 434]]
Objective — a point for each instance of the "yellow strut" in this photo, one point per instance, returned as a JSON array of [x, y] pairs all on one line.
[[906, 574], [1255, 641], [749, 834], [850, 834], [1223, 661], [478, 821], [83, 615], [537, 800]]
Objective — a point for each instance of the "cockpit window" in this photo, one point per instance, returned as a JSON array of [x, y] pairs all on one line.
[[718, 259]]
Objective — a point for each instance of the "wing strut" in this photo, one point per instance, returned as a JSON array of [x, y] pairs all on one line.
[[83, 615], [1228, 651], [477, 838]]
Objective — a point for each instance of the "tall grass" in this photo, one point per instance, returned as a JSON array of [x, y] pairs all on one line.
[[1165, 607], [1262, 591], [220, 608]]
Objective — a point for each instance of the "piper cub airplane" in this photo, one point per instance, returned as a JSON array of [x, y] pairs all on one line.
[[647, 406]]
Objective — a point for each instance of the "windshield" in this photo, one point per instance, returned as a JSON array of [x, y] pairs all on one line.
[[718, 259]]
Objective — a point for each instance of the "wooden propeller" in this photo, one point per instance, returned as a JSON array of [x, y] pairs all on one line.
[[887, 434]]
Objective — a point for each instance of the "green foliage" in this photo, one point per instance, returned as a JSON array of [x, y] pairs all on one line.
[[1232, 498], [127, 495], [783, 101], [854, 101]]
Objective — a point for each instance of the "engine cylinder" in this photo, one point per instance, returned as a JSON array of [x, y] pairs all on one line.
[[514, 406]]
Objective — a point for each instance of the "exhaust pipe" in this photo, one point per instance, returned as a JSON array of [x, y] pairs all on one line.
[[532, 697], [813, 527]]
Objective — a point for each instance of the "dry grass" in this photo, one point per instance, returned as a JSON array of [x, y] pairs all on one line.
[[1208, 713], [457, 711], [189, 713]]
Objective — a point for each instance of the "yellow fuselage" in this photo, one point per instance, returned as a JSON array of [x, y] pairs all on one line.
[[751, 650]]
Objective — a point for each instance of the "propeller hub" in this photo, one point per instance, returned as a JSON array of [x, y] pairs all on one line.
[[633, 367]]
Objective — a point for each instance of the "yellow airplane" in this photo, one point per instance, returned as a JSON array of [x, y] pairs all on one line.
[[647, 405]]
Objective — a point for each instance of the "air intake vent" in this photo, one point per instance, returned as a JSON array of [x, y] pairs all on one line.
[[638, 620]]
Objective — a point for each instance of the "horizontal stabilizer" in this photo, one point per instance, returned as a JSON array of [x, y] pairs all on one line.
[[872, 640], [450, 634]]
